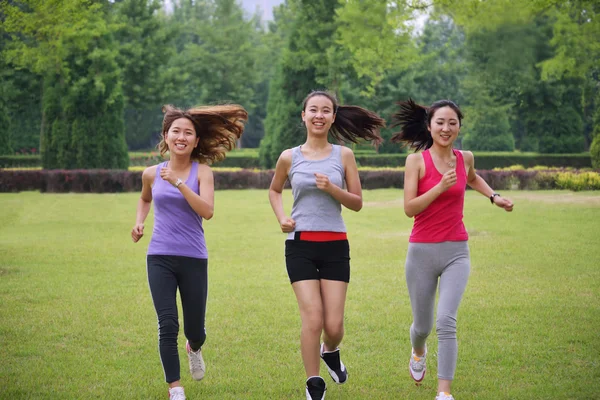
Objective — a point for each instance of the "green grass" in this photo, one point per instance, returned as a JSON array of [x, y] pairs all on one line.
[[76, 319]]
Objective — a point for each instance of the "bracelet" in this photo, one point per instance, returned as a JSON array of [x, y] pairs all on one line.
[[492, 197]]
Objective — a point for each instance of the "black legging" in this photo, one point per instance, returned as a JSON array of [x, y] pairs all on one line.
[[165, 275]]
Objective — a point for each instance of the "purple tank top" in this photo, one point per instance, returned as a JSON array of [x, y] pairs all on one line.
[[177, 228]]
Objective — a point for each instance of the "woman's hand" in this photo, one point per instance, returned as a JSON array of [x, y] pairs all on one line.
[[503, 203], [322, 182], [287, 225], [168, 175], [448, 180], [137, 232]]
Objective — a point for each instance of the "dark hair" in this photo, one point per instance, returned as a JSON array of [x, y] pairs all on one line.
[[218, 128], [413, 120], [351, 122]]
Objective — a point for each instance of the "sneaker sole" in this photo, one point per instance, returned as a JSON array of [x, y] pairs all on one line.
[[417, 381]]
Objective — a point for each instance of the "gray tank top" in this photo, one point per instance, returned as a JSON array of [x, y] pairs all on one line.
[[313, 209]]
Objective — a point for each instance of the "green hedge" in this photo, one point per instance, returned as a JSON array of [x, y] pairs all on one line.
[[28, 161], [247, 159], [103, 181]]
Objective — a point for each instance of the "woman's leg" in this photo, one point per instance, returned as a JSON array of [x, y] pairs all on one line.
[[163, 288], [453, 282], [308, 294], [333, 296], [421, 280], [193, 288]]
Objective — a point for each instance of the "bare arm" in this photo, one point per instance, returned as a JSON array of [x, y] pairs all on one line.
[[282, 170], [414, 204], [352, 197], [477, 183], [143, 206], [204, 203]]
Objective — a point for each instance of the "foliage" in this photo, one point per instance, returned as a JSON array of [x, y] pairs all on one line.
[[70, 43], [111, 181], [144, 47], [595, 152], [578, 182], [376, 35], [303, 66]]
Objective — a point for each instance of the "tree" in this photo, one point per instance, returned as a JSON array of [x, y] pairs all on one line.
[[304, 66], [145, 46], [71, 45], [377, 37]]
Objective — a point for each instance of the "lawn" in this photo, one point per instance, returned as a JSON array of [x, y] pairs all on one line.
[[76, 318]]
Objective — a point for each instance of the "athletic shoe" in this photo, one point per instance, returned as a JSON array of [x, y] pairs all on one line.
[[416, 366], [315, 388], [197, 366], [336, 367], [444, 396], [176, 393]]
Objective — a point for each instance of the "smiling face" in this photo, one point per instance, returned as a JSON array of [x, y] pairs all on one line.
[[318, 115], [444, 126], [181, 137]]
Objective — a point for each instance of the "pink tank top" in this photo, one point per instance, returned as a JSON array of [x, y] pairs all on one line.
[[442, 221]]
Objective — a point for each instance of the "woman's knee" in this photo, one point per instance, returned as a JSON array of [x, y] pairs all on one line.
[[313, 322], [421, 332], [446, 326], [168, 327], [334, 328]]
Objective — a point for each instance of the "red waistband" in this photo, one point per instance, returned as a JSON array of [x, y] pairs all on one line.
[[320, 236]]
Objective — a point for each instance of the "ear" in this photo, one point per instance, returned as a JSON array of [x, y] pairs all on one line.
[[303, 116], [197, 141]]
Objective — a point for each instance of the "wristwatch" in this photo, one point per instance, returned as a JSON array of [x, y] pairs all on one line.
[[492, 197], [178, 182]]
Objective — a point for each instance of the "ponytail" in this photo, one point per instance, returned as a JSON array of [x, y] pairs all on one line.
[[353, 123], [413, 120]]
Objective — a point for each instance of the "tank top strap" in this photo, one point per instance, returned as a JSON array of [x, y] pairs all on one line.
[[460, 161], [193, 177], [429, 167], [296, 154], [159, 167], [336, 152]]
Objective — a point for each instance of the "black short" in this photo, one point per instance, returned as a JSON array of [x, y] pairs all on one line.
[[307, 260]]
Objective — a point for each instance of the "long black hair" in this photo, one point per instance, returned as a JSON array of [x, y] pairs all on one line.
[[413, 120], [351, 122]]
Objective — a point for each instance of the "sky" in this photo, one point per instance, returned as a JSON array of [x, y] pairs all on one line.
[[266, 7]]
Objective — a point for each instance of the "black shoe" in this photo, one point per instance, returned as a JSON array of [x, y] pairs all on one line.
[[336, 367], [315, 388]]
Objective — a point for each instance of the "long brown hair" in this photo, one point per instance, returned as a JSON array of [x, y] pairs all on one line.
[[351, 122], [413, 120], [218, 127]]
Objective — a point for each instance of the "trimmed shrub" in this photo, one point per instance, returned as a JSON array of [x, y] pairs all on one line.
[[578, 181], [111, 181], [595, 152], [21, 180]]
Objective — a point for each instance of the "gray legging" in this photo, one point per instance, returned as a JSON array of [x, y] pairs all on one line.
[[425, 263]]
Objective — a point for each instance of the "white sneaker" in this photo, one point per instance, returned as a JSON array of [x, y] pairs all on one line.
[[417, 366], [197, 366], [444, 396], [176, 393]]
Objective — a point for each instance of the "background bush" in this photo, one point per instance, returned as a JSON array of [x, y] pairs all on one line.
[[112, 181]]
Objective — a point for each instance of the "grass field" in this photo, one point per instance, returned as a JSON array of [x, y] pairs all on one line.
[[77, 322]]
